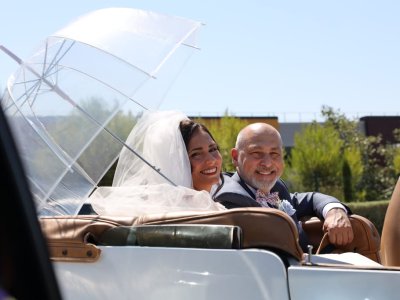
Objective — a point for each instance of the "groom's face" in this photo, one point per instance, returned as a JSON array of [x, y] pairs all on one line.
[[259, 158]]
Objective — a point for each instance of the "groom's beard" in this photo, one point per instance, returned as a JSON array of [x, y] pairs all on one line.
[[263, 185]]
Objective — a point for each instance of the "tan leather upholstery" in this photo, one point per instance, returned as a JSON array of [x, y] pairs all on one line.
[[71, 238], [390, 244], [261, 227], [79, 228], [366, 237]]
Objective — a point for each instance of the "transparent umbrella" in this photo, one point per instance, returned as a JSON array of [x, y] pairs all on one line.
[[74, 101]]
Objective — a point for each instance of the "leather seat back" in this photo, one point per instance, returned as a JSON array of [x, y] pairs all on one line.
[[366, 237], [261, 227]]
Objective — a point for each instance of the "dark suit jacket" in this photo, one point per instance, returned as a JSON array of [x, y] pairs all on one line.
[[235, 193]]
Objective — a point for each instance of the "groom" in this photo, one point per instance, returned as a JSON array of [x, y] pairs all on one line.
[[259, 164]]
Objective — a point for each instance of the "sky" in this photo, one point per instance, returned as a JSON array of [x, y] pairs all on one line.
[[283, 58]]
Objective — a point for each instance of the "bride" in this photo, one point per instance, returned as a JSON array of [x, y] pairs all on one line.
[[185, 168]]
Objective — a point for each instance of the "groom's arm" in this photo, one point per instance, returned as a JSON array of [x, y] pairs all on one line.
[[329, 209], [315, 204]]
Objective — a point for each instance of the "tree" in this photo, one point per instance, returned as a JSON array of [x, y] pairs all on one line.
[[376, 172], [396, 162], [352, 170], [396, 152], [316, 163], [364, 169]]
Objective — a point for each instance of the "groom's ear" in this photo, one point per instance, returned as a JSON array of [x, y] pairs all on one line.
[[234, 155]]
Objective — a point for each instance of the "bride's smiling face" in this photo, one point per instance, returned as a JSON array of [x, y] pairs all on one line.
[[205, 160]]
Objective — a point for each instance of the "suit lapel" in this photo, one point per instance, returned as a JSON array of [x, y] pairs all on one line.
[[237, 178]]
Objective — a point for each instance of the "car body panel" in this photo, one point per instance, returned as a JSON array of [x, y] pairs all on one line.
[[175, 273], [342, 283]]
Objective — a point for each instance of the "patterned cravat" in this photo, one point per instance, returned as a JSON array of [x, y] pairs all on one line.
[[270, 200]]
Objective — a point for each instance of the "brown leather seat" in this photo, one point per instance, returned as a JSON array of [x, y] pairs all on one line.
[[71, 238], [261, 228], [390, 243], [366, 237]]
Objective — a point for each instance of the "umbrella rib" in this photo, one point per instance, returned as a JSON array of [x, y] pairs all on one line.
[[41, 205], [54, 62], [70, 167], [27, 93], [172, 51], [109, 53], [109, 86], [191, 46], [52, 65], [173, 81]]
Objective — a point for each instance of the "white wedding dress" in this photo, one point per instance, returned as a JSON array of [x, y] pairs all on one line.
[[137, 188]]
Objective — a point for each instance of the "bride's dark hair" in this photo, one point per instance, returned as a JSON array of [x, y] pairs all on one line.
[[189, 127]]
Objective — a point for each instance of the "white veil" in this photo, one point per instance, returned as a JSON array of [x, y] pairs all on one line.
[[137, 188], [157, 138]]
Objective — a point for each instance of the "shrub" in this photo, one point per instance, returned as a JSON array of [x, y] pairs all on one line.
[[372, 210]]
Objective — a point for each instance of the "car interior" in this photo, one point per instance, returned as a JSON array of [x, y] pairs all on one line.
[[252, 228]]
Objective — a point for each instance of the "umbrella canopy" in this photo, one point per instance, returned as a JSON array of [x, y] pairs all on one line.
[[74, 101]]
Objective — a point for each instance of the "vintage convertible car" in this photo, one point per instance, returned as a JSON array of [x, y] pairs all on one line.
[[239, 253], [251, 253], [248, 253]]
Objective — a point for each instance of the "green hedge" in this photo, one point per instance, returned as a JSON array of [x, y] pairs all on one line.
[[373, 210]]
